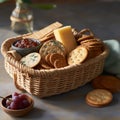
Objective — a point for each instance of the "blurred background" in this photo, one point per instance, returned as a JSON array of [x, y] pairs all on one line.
[[101, 16]]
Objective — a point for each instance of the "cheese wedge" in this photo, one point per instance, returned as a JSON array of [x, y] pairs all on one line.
[[66, 37]]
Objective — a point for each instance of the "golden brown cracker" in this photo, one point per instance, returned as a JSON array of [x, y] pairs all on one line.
[[99, 97], [47, 59], [110, 83], [58, 63], [44, 64], [52, 46], [55, 56], [77, 55], [85, 37]]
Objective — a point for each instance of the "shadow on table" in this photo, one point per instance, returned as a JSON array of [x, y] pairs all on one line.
[[74, 101], [35, 114]]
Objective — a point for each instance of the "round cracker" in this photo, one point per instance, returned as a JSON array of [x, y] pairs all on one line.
[[58, 63], [85, 37], [93, 43], [47, 59], [44, 64], [89, 40], [99, 97], [55, 56], [96, 83], [31, 60], [77, 55], [110, 83], [52, 46]]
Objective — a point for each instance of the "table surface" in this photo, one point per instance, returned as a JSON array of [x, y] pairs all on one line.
[[104, 20]]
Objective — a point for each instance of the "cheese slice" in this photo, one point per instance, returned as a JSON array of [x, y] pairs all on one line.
[[66, 37]]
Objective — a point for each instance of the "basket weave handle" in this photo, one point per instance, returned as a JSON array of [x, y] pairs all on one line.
[[16, 84]]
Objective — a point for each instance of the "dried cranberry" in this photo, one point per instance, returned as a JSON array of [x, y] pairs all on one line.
[[26, 43]]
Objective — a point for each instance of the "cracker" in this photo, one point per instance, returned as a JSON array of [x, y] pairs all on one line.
[[88, 40], [58, 63], [44, 64], [77, 55], [96, 83], [47, 59], [31, 60], [110, 83], [55, 56], [84, 37], [45, 31], [52, 46], [99, 98]]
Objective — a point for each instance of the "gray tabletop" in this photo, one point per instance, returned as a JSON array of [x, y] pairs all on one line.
[[103, 18]]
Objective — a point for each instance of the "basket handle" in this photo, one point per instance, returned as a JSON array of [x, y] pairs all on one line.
[[6, 45], [16, 84]]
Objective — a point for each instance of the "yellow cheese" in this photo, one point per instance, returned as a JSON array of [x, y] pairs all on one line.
[[66, 37]]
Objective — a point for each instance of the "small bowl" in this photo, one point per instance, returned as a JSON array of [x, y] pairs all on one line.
[[25, 51], [17, 113]]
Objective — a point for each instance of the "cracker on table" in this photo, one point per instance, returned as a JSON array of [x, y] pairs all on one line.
[[110, 83], [99, 97]]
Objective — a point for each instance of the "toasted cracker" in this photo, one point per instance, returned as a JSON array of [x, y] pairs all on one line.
[[99, 97], [58, 63], [85, 37], [46, 31], [44, 64], [110, 83], [52, 46], [78, 55], [55, 56], [31, 60]]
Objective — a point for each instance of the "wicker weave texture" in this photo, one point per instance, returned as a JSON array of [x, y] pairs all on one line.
[[44, 83]]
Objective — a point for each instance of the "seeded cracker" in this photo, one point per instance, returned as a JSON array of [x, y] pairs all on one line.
[[52, 46], [99, 97], [31, 60], [77, 55]]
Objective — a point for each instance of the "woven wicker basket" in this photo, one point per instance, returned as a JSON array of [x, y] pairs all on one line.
[[44, 83]]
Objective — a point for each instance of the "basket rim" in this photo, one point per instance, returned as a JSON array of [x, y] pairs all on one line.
[[8, 57]]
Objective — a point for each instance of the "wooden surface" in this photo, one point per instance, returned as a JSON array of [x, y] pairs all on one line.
[[103, 19]]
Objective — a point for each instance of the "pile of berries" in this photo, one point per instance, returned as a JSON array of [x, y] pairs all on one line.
[[17, 101], [26, 43]]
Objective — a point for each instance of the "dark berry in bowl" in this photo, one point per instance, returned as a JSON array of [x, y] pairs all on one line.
[[17, 104], [25, 46]]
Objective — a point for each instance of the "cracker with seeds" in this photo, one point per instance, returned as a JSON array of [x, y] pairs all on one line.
[[31, 60], [77, 55], [52, 46], [99, 97]]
